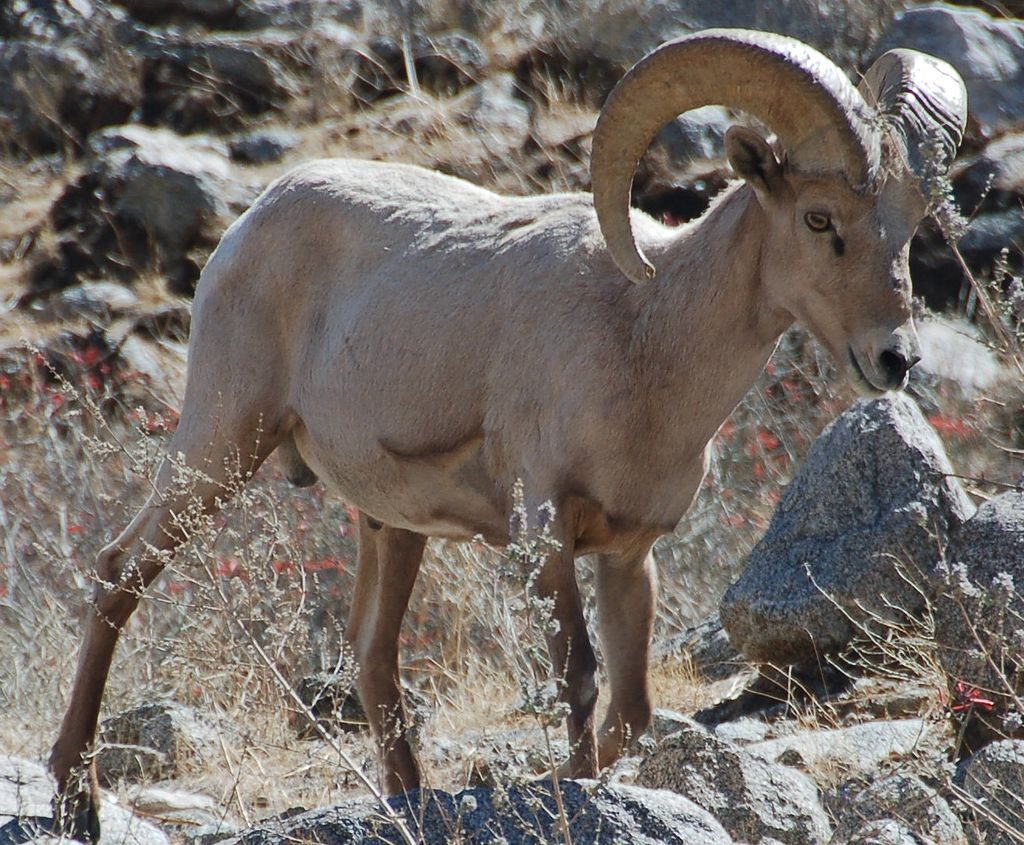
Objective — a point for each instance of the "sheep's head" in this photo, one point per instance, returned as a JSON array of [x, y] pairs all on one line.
[[851, 175]]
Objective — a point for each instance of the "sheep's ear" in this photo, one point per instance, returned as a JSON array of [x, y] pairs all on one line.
[[753, 159]]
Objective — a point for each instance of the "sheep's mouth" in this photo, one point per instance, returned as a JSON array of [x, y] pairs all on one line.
[[863, 384]]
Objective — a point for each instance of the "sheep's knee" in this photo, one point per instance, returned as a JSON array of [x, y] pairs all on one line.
[[118, 586]]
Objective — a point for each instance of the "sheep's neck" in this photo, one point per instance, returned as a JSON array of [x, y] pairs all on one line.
[[708, 328]]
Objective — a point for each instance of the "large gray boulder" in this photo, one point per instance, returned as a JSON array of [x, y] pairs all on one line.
[[978, 619], [987, 51], [868, 513], [751, 797], [517, 815]]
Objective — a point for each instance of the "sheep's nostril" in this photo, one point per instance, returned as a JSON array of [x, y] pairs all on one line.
[[895, 365]]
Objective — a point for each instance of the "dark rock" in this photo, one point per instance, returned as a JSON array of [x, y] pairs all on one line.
[[379, 70], [493, 110], [248, 15], [680, 198], [874, 491], [772, 692], [297, 15], [215, 82], [994, 782], [978, 621], [988, 52], [146, 200], [697, 135], [80, 357], [938, 279], [263, 147], [448, 62], [675, 181], [54, 96], [706, 647], [989, 190], [42, 20], [133, 763], [751, 797], [444, 64], [181, 11], [882, 832], [331, 699], [516, 815], [162, 184], [906, 799], [174, 732], [988, 236], [993, 180], [171, 322], [99, 301], [617, 34]]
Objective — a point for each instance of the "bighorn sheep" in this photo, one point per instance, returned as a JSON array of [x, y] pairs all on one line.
[[421, 343]]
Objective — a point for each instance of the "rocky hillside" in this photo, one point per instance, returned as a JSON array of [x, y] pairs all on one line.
[[844, 668]]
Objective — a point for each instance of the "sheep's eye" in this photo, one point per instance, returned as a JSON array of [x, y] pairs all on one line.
[[817, 222]]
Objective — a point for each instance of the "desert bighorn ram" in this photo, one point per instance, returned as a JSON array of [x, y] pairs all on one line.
[[421, 343]]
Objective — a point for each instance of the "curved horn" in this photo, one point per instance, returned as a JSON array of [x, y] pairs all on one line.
[[817, 114], [925, 102]]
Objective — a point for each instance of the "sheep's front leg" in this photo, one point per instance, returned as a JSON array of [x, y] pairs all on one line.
[[627, 588], [389, 559], [572, 657]]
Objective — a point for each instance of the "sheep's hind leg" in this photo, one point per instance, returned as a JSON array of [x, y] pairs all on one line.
[[124, 569], [626, 594], [389, 560]]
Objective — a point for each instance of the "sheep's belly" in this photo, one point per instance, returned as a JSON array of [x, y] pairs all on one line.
[[446, 494]]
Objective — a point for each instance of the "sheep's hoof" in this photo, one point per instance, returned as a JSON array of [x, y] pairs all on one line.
[[77, 816]]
